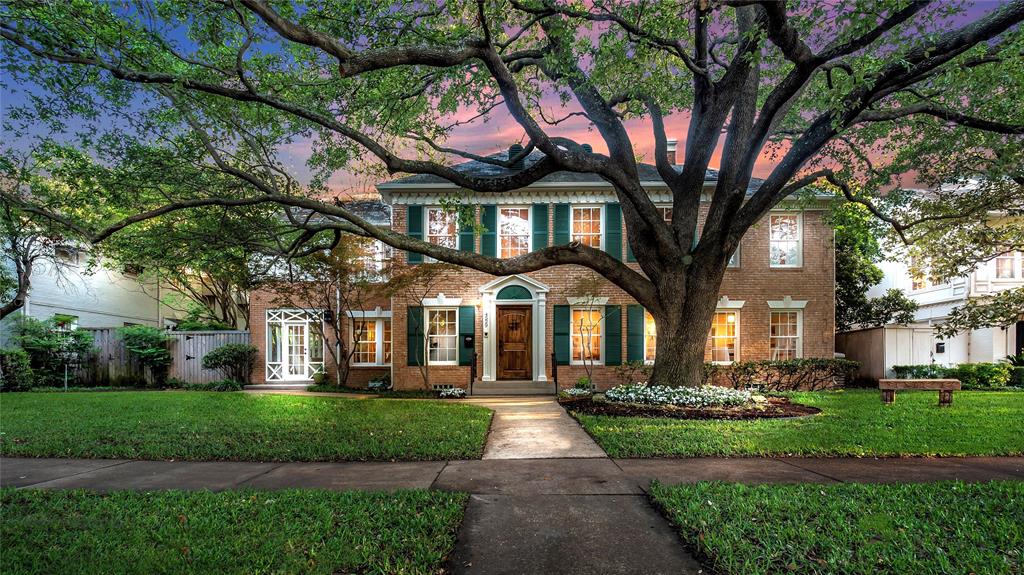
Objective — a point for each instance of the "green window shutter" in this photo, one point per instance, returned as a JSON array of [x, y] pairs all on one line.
[[540, 227], [561, 328], [466, 236], [489, 239], [634, 332], [561, 224], [613, 230], [612, 335], [414, 332], [414, 227], [629, 251], [467, 327]]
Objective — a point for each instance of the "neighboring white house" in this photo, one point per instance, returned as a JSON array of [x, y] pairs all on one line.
[[99, 297], [878, 349]]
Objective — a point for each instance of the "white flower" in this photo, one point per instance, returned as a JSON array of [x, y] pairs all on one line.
[[705, 396], [452, 392]]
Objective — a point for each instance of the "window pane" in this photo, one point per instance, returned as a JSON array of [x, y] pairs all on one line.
[[274, 347], [650, 337], [784, 237], [442, 227], [586, 226], [386, 340], [586, 335], [514, 231], [1005, 268], [442, 335], [723, 337], [784, 335], [364, 333]]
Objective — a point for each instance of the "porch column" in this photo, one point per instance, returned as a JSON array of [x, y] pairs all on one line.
[[487, 322], [539, 333]]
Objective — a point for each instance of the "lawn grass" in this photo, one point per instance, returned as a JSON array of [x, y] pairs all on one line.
[[237, 426], [947, 527], [295, 531], [852, 423]]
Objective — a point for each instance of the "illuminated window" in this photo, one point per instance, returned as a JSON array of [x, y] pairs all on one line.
[[650, 337], [514, 231], [784, 240], [1006, 265], [442, 336], [918, 278], [724, 337], [371, 341], [586, 226], [785, 335], [586, 335]]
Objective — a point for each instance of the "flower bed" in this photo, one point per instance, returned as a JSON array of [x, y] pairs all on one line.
[[704, 396]]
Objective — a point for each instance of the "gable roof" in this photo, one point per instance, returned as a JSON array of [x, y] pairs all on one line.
[[475, 168]]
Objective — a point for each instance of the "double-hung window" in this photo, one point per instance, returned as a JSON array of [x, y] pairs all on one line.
[[650, 337], [786, 333], [514, 231], [585, 334], [1007, 265], [785, 241], [587, 226], [443, 227], [442, 336], [725, 332], [371, 341]]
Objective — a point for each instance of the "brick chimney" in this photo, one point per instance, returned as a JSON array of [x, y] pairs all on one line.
[[513, 151], [671, 151]]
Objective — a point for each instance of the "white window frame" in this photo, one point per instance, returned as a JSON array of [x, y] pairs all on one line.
[[427, 336], [426, 228], [378, 327], [799, 240], [799, 331], [529, 227], [599, 360], [600, 219], [1015, 266], [736, 337], [734, 259], [653, 327], [377, 254], [292, 317]]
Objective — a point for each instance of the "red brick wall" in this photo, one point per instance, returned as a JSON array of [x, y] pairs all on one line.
[[753, 281]]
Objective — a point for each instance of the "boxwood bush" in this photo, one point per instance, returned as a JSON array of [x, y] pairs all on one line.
[[971, 375], [15, 370], [234, 360]]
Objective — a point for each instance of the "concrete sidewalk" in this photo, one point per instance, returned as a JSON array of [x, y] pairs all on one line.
[[527, 427], [595, 476]]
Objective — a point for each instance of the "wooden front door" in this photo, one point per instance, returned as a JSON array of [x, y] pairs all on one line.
[[514, 338]]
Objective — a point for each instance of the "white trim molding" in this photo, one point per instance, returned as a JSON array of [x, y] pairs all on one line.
[[587, 301], [488, 307], [787, 303], [374, 313], [441, 301], [725, 303]]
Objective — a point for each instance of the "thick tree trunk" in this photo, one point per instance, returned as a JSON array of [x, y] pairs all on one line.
[[682, 331]]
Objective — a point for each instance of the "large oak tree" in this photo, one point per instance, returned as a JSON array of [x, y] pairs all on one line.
[[860, 90]]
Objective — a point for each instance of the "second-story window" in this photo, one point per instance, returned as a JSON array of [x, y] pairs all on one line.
[[514, 231], [918, 278], [586, 226], [1006, 265], [443, 227], [784, 239]]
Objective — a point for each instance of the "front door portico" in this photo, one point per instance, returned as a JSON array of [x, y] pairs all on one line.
[[513, 318]]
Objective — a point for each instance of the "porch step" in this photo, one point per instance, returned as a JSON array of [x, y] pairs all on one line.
[[513, 388], [277, 386]]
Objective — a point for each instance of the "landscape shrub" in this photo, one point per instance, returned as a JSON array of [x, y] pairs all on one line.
[[51, 346], [971, 375], [148, 345], [234, 360], [577, 392], [1017, 376], [15, 370], [583, 383], [809, 374], [704, 396], [221, 385]]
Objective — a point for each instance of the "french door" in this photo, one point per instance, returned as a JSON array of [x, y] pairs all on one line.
[[296, 356], [295, 348]]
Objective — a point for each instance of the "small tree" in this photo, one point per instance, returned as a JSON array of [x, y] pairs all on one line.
[[52, 346], [234, 360], [334, 282], [148, 345], [415, 284], [586, 292]]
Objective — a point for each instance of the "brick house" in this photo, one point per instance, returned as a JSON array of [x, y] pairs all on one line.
[[777, 298]]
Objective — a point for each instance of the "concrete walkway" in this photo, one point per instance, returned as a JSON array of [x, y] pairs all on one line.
[[534, 428]]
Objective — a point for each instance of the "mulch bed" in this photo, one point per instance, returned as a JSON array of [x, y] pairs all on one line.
[[776, 407]]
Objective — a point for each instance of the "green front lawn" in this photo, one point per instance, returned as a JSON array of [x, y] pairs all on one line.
[[296, 531], [237, 426], [948, 527], [852, 423]]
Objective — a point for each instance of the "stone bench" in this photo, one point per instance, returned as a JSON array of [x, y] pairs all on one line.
[[945, 387]]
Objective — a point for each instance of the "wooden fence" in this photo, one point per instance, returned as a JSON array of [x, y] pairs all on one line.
[[111, 364]]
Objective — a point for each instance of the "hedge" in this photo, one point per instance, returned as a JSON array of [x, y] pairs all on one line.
[[15, 370], [971, 375], [808, 374]]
